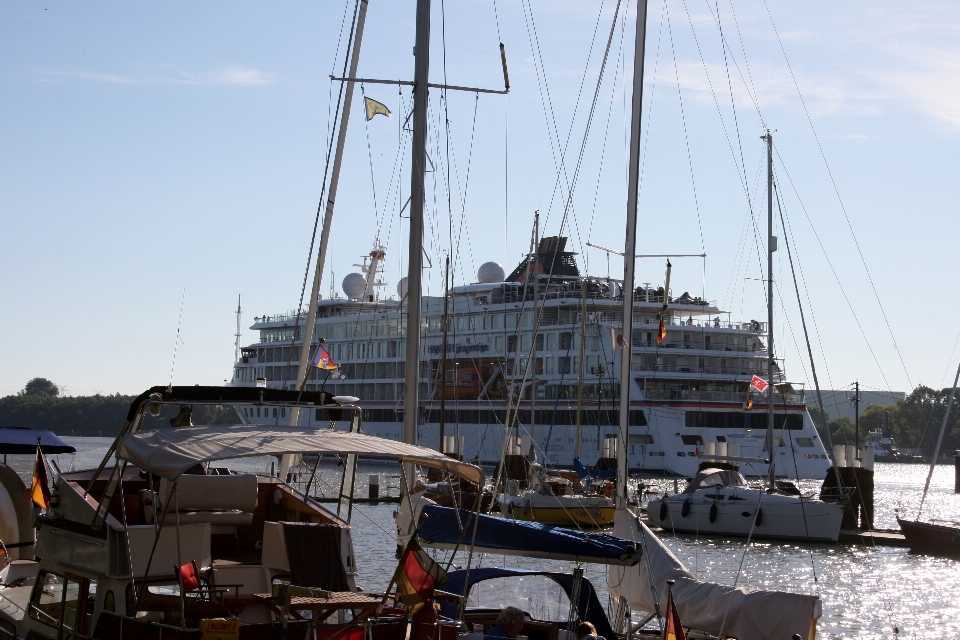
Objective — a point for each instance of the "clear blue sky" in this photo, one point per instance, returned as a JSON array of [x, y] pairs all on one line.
[[149, 152]]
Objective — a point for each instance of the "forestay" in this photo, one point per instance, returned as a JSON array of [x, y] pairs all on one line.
[[169, 452]]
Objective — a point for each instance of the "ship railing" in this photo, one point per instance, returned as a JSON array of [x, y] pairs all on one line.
[[719, 396], [694, 346], [681, 368]]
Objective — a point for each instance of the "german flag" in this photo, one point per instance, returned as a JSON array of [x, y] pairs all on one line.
[[39, 490], [673, 630], [417, 576], [662, 333]]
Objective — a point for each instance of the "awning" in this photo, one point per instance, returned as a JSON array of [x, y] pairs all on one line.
[[169, 452], [442, 529], [20, 440]]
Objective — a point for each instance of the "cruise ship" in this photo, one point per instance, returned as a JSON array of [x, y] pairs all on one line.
[[543, 341]]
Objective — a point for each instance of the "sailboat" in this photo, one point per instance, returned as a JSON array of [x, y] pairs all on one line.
[[718, 501], [937, 537], [712, 608]]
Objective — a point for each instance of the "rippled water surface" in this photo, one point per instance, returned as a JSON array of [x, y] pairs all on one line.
[[866, 591]]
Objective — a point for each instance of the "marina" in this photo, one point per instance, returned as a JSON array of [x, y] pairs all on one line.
[[867, 589], [545, 446]]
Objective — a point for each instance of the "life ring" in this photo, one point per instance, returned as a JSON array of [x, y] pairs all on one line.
[[663, 511], [713, 513], [685, 509]]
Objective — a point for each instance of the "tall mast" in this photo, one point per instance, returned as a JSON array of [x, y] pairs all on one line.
[[307, 335], [415, 253], [630, 253], [771, 247]]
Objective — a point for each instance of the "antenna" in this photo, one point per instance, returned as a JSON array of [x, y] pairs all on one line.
[[236, 345], [179, 339]]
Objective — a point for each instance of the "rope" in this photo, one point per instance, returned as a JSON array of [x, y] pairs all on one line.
[[843, 208]]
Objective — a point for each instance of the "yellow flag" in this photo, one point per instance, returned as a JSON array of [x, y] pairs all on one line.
[[373, 108]]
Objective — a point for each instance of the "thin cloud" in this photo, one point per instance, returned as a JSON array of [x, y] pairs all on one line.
[[929, 83], [226, 76]]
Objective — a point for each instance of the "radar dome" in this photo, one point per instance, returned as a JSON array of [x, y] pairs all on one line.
[[402, 288], [354, 285], [490, 273]]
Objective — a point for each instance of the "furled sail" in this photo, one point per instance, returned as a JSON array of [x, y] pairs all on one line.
[[707, 606]]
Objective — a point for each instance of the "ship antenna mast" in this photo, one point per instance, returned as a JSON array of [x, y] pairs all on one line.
[[236, 344]]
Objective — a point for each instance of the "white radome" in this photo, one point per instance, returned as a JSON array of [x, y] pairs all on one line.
[[354, 286], [402, 288], [490, 273]]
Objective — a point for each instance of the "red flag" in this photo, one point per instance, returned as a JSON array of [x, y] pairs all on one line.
[[39, 490], [417, 576], [673, 630], [662, 333], [758, 383]]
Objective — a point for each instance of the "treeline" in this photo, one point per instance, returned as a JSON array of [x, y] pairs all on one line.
[[93, 415], [913, 422]]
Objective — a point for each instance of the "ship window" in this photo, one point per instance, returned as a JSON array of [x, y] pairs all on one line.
[[472, 323], [638, 418], [495, 321], [804, 442], [551, 342], [540, 342], [640, 438], [692, 440], [498, 344], [566, 341], [511, 321], [563, 364]]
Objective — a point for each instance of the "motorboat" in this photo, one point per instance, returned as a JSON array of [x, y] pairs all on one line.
[[721, 502], [112, 548]]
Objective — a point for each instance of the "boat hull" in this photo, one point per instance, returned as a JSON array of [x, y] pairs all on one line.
[[781, 517], [927, 537], [558, 510]]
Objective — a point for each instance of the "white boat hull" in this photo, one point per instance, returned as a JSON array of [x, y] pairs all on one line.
[[781, 517]]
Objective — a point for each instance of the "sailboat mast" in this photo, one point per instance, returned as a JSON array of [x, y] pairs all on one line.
[[770, 363], [307, 336], [630, 252], [421, 73]]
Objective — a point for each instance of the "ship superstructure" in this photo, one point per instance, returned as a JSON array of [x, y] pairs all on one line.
[[518, 341]]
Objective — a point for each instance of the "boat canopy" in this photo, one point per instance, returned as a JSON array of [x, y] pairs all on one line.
[[169, 452], [716, 478], [588, 605], [444, 528], [20, 440]]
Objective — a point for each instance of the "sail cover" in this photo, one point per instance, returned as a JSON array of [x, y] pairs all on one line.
[[710, 607], [445, 527], [169, 452]]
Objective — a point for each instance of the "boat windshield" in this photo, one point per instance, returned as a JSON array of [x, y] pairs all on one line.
[[716, 478]]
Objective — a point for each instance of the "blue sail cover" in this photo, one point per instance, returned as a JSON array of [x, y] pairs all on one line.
[[444, 528], [588, 607]]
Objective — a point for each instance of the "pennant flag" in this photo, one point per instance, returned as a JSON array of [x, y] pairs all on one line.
[[621, 343], [322, 359], [662, 333], [673, 629], [374, 108], [758, 383], [39, 490], [417, 576]]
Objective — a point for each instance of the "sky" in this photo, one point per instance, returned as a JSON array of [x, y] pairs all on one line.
[[158, 162]]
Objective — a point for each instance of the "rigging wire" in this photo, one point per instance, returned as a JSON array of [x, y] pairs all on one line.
[[836, 275], [843, 207]]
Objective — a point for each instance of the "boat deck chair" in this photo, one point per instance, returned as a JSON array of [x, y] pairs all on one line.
[[198, 594]]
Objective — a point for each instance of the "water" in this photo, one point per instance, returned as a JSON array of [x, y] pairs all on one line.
[[866, 591]]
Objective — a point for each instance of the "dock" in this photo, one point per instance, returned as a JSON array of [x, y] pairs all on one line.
[[874, 537]]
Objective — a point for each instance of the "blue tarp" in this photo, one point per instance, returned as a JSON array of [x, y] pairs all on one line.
[[588, 606], [444, 525], [14, 440]]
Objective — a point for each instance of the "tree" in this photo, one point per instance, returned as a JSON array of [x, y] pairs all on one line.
[[40, 387], [842, 430]]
